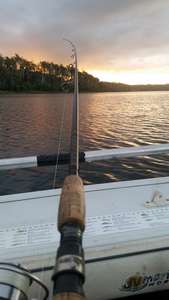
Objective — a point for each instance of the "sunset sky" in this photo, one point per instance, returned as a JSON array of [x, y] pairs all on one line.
[[117, 40]]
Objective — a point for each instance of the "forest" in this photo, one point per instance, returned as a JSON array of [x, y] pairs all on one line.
[[20, 75]]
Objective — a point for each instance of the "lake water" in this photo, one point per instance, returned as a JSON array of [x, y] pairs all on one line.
[[30, 125]]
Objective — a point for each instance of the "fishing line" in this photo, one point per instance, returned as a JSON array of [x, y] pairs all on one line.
[[44, 277], [59, 142]]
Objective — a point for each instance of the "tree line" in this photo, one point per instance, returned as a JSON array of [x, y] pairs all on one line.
[[18, 74]]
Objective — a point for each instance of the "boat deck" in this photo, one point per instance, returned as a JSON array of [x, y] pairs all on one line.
[[127, 225]]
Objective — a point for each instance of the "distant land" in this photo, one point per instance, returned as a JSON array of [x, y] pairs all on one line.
[[20, 75]]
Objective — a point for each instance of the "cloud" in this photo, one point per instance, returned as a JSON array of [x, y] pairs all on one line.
[[111, 34]]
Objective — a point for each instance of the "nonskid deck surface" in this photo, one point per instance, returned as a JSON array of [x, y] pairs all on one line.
[[45, 233]]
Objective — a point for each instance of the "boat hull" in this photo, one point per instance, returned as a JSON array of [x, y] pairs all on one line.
[[126, 239]]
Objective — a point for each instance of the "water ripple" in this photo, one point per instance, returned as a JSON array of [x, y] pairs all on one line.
[[30, 124]]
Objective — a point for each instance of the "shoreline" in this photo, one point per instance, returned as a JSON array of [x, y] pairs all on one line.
[[83, 92]]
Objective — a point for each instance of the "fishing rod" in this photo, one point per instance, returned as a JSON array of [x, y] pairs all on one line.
[[74, 147], [69, 271]]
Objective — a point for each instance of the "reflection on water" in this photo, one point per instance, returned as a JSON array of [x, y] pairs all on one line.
[[114, 120], [30, 124]]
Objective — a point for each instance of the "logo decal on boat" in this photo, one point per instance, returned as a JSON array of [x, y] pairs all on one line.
[[139, 281], [134, 283]]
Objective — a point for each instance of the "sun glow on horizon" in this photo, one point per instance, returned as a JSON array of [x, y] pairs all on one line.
[[133, 77]]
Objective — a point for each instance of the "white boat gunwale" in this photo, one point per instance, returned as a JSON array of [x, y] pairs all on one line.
[[88, 188]]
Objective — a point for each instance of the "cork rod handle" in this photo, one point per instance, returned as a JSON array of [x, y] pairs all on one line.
[[69, 296], [72, 202]]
